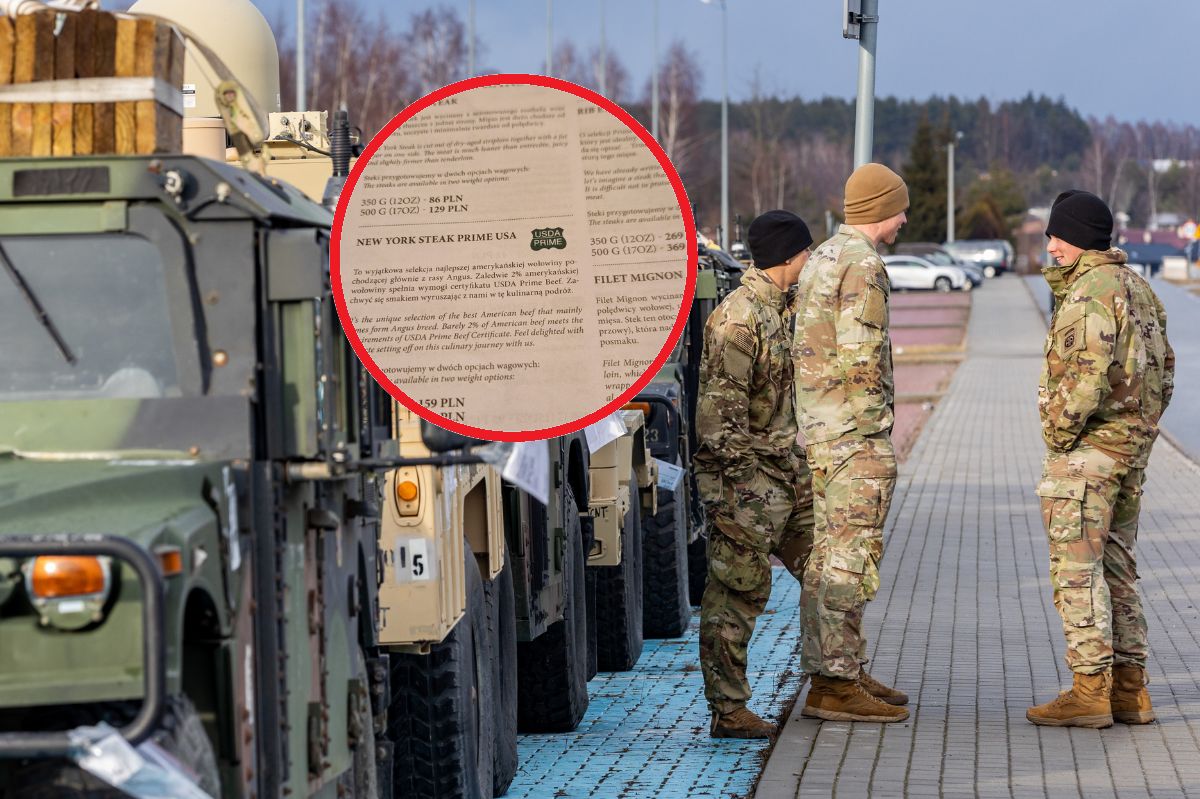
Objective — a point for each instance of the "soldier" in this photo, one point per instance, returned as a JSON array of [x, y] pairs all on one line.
[[844, 396], [1108, 377], [749, 469]]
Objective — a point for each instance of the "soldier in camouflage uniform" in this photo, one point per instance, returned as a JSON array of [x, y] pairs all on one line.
[[750, 471], [844, 396], [1108, 377]]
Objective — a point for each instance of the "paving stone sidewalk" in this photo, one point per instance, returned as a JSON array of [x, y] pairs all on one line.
[[965, 624]]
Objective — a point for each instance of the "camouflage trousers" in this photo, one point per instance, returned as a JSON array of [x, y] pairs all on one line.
[[854, 477], [750, 523], [1090, 504]]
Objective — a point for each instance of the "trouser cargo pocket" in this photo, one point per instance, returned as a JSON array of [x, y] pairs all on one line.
[[1073, 595], [1062, 508], [736, 565], [867, 506], [842, 580]]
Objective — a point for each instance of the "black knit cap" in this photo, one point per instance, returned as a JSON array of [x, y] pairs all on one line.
[[1082, 219], [776, 236]]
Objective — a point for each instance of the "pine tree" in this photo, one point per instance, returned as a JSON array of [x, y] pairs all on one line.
[[994, 206], [925, 174]]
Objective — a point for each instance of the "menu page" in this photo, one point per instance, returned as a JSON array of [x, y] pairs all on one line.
[[513, 257]]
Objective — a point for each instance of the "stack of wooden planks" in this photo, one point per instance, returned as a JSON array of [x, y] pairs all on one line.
[[73, 50]]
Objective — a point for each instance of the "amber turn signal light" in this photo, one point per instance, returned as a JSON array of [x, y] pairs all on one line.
[[406, 490], [644, 407], [170, 559], [60, 576]]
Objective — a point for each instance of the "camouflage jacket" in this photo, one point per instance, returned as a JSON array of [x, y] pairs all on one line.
[[1109, 370], [745, 416], [842, 351]]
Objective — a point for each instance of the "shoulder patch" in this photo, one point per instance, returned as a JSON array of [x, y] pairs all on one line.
[[742, 339], [872, 310], [1069, 330]]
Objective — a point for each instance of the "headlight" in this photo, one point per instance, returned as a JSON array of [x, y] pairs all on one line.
[[68, 592]]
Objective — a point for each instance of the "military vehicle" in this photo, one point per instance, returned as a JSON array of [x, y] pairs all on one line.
[[218, 533]]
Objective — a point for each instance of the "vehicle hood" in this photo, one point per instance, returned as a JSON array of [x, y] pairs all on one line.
[[116, 497]]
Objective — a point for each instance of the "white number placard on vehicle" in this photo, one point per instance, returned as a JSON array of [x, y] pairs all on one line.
[[416, 561]]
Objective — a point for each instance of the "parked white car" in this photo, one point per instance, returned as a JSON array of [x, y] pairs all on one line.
[[915, 272]]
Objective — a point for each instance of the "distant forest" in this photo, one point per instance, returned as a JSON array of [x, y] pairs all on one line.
[[792, 153]]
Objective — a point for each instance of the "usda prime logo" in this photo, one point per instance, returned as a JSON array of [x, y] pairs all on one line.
[[550, 238]]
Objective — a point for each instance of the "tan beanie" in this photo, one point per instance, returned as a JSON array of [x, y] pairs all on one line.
[[874, 193]]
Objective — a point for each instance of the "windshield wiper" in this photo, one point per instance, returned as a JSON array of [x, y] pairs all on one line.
[[36, 307]]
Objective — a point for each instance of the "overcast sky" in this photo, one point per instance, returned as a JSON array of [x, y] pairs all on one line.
[[1129, 58]]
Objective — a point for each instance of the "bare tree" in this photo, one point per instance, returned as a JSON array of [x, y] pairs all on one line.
[[1104, 161], [570, 64], [679, 84], [768, 166], [820, 168], [434, 49], [353, 62], [616, 76]]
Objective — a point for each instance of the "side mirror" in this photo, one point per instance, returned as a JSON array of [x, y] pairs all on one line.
[[437, 440]]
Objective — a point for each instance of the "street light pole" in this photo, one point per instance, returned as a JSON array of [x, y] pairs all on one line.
[[654, 78], [724, 129], [549, 35], [950, 185], [301, 87], [471, 39], [603, 54], [724, 237], [864, 116]]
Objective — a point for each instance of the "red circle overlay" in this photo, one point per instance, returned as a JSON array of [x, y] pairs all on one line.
[[335, 257]]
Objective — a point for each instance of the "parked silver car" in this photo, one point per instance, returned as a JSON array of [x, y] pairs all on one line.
[[992, 255], [935, 253], [915, 272]]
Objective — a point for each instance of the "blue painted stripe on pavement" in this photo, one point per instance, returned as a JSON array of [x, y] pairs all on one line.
[[645, 733]]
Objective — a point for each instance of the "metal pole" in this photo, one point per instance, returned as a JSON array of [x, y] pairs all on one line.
[[864, 118], [549, 35], [950, 191], [301, 88], [725, 132], [471, 39], [603, 54], [654, 80]]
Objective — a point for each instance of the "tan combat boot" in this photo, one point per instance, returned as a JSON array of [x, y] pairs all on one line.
[[740, 723], [880, 691], [847, 700], [1130, 699], [1085, 705]]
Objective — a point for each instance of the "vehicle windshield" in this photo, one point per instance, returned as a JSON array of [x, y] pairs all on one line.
[[104, 329]]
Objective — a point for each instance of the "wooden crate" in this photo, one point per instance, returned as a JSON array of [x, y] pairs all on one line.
[[72, 50]]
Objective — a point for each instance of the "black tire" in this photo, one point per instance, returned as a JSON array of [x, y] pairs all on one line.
[[990, 271], [942, 284], [362, 779], [668, 608], [441, 716], [502, 624], [180, 733], [619, 597], [552, 668], [588, 526], [697, 552]]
